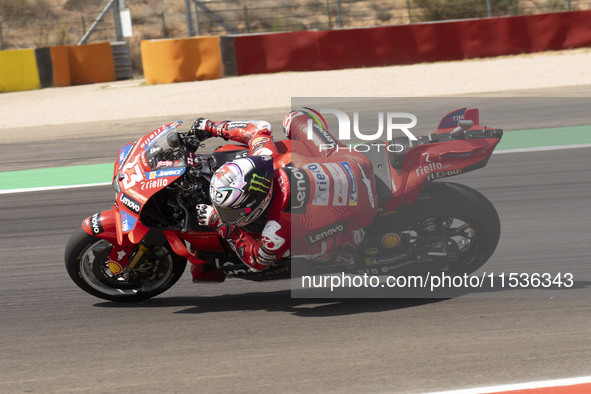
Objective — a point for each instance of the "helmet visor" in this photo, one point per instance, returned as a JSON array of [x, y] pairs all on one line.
[[233, 216], [242, 216]]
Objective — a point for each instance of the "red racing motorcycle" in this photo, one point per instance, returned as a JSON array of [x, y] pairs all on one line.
[[141, 246]]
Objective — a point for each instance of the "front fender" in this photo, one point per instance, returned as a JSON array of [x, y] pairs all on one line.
[[107, 225], [102, 225]]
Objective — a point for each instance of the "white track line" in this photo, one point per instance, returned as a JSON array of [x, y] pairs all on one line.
[[520, 150], [46, 188], [520, 386], [541, 148]]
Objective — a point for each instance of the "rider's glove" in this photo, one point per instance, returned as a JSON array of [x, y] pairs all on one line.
[[201, 129], [207, 215]]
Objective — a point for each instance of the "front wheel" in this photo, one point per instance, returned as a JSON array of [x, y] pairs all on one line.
[[87, 263]]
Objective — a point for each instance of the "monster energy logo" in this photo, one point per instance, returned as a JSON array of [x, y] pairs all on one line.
[[259, 183]]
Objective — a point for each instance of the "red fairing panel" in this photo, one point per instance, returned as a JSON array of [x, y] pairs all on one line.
[[101, 225]]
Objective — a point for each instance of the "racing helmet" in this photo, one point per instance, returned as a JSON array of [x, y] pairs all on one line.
[[242, 189]]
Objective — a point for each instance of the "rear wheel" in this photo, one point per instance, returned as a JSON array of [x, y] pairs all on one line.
[[87, 263], [451, 228]]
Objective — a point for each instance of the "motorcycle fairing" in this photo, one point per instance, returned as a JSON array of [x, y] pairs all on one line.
[[110, 228], [442, 154], [178, 246], [452, 119], [208, 241], [101, 225], [104, 225], [142, 174], [443, 159], [123, 153], [128, 224], [132, 170]]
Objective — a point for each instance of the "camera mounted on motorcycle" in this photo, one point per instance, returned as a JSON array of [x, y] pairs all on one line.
[[463, 125], [192, 143]]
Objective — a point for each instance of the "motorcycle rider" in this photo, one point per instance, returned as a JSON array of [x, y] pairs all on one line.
[[309, 198]]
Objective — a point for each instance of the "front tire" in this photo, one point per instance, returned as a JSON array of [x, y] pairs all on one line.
[[86, 259]]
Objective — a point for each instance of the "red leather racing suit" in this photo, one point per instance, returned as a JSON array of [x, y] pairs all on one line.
[[323, 193]]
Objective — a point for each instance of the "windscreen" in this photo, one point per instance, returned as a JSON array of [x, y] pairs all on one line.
[[164, 151]]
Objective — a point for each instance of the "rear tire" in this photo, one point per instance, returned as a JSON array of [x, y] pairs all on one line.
[[439, 203], [86, 263]]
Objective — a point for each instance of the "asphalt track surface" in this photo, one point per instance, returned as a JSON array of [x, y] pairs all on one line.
[[253, 337]]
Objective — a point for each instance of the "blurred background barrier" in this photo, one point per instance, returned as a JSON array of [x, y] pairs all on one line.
[[189, 59], [60, 66], [18, 70], [270, 35], [45, 23], [81, 64], [44, 66], [25, 69], [408, 44]]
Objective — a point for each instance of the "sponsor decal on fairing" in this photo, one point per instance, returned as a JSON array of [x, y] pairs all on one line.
[[164, 163], [321, 184], [114, 267], [137, 196], [164, 173], [130, 203], [149, 139], [132, 174], [459, 155], [95, 224], [443, 174], [391, 240], [428, 168], [452, 119], [371, 251], [388, 259], [123, 152], [154, 184], [127, 221]]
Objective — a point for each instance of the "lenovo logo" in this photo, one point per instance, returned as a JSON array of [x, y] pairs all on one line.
[[130, 203]]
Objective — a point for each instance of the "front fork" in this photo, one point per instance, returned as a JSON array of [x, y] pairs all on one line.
[[104, 225]]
